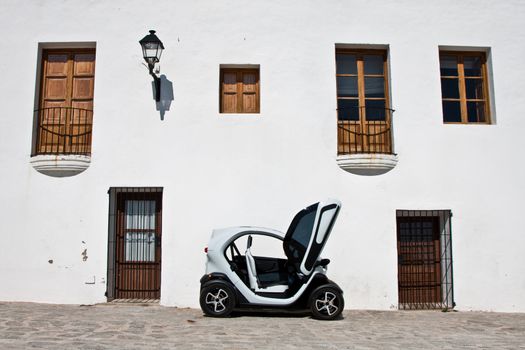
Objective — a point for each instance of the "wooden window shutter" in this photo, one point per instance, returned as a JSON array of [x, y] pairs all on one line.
[[65, 113], [239, 90]]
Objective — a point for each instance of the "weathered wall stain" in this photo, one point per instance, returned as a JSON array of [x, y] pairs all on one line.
[[84, 255]]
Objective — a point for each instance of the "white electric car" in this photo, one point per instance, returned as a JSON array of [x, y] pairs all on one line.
[[297, 280]]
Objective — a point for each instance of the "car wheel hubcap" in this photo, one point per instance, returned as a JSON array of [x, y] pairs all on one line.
[[327, 303], [217, 300]]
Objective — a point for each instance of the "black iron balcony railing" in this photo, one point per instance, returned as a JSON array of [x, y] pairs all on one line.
[[371, 134], [64, 130]]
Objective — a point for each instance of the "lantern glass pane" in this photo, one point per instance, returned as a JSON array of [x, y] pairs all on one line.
[[150, 53], [151, 45]]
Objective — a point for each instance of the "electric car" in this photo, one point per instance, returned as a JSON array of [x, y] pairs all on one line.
[[294, 281]]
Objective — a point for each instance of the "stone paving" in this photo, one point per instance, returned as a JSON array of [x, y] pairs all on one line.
[[150, 326]]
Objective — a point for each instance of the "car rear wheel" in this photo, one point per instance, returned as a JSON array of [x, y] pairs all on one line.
[[217, 299], [326, 303]]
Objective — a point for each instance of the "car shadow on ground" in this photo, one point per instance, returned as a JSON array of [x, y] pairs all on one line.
[[276, 314]]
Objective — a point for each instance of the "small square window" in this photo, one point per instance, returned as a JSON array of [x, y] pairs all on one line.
[[239, 90]]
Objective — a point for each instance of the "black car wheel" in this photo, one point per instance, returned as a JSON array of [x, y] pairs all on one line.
[[217, 299], [326, 303]]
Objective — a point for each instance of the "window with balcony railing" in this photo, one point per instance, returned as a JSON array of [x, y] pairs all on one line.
[[363, 106], [65, 111]]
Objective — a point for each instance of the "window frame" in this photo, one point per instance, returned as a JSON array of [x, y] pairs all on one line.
[[371, 132], [239, 91], [360, 74], [135, 279], [460, 55]]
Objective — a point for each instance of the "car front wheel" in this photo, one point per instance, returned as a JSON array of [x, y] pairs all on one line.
[[217, 299], [326, 303]]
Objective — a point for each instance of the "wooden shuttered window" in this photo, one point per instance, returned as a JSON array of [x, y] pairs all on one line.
[[239, 90], [65, 113], [464, 87]]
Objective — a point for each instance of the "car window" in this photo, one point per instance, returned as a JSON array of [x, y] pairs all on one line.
[[266, 246], [262, 246], [303, 225]]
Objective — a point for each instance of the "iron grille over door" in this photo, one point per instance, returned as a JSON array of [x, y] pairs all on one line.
[[135, 243], [424, 259]]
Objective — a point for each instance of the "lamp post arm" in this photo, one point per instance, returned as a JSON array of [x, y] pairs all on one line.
[[156, 79]]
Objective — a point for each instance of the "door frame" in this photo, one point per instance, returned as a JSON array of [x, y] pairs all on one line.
[[115, 194], [442, 222]]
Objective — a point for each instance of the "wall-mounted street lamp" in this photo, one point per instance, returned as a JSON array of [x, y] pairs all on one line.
[[151, 50]]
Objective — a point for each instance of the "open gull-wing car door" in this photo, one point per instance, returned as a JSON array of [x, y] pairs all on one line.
[[308, 233]]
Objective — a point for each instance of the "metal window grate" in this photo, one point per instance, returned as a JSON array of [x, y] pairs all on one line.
[[424, 244]]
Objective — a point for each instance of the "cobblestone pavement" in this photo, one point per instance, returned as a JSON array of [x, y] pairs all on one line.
[[147, 326]]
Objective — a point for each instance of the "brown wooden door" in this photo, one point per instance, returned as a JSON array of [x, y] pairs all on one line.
[[66, 101], [419, 262], [138, 246]]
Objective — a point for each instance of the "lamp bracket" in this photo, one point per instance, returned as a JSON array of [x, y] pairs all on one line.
[[156, 80]]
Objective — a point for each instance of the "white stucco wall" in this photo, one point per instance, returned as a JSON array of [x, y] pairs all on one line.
[[222, 170]]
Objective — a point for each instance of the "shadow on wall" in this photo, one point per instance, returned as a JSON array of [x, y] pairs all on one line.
[[166, 95]]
